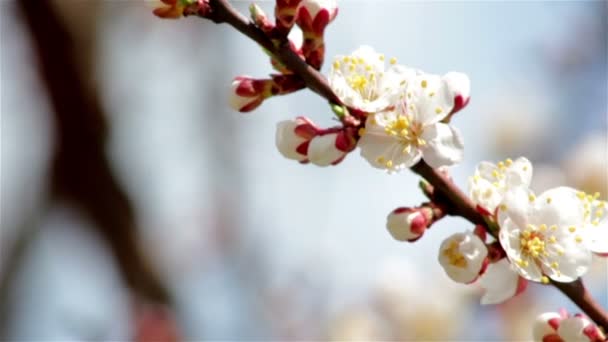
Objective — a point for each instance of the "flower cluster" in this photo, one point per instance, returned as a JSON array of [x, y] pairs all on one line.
[[561, 327], [549, 237]]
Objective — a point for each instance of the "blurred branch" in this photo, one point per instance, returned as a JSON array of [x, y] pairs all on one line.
[[81, 172], [458, 203]]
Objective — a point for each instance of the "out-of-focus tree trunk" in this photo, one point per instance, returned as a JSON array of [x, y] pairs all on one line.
[[80, 172]]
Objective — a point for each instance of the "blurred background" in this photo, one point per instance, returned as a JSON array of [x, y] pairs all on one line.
[[136, 205]]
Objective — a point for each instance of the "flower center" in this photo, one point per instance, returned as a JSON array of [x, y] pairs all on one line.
[[532, 243], [362, 77], [406, 131], [455, 258]]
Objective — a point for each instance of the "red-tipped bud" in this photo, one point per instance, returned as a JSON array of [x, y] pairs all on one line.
[[314, 15], [331, 148], [408, 224], [285, 14], [248, 93], [260, 19], [560, 327], [293, 138], [178, 8]]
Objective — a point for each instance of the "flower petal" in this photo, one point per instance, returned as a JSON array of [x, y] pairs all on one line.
[[322, 150], [443, 146], [499, 281], [519, 173], [428, 98], [558, 206]]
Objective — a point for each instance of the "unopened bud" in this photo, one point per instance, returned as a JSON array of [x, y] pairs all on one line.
[[248, 93], [330, 149], [259, 18], [408, 224], [293, 138], [314, 15]]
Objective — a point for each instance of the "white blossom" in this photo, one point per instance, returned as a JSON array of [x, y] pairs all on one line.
[[361, 81], [398, 138], [577, 328], [490, 181], [595, 229], [543, 237], [462, 256]]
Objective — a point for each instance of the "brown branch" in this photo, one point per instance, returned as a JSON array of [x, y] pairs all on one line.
[[458, 203], [81, 173], [577, 292]]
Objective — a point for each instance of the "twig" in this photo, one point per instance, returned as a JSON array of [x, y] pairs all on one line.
[[457, 202]]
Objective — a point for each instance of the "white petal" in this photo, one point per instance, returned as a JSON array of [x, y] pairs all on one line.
[[486, 170], [597, 237], [378, 149], [559, 206], [428, 95], [444, 146], [517, 207], [472, 250], [485, 194], [371, 57], [519, 173], [499, 281], [322, 150], [458, 83], [574, 263]]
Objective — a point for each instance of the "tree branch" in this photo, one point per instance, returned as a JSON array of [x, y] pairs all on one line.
[[458, 203], [81, 173]]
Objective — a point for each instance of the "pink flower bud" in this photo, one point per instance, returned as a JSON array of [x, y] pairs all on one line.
[[459, 86], [407, 224], [314, 15], [293, 138], [545, 327], [579, 328], [248, 93], [260, 19], [285, 13], [174, 10]]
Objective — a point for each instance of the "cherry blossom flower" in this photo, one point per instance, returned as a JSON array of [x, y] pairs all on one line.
[[247, 93], [408, 224], [543, 237], [361, 81], [463, 257], [500, 282], [398, 138], [595, 229], [490, 181]]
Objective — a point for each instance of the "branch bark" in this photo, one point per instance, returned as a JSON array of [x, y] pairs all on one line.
[[81, 173], [458, 203]]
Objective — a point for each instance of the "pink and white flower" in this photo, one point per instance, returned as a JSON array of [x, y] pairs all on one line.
[[490, 181], [362, 82], [544, 237], [398, 138], [463, 257], [408, 224]]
